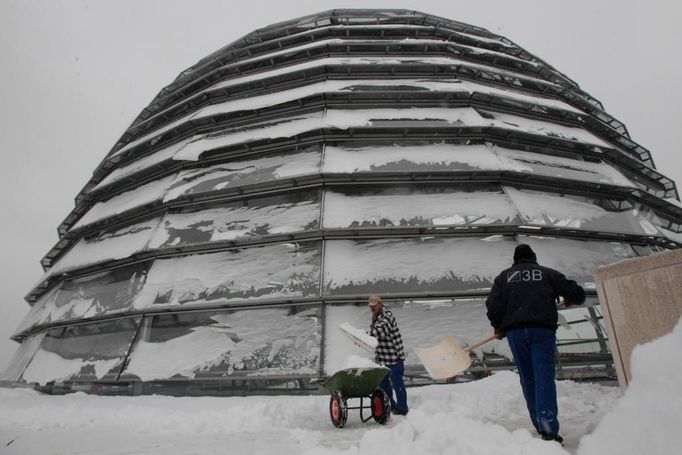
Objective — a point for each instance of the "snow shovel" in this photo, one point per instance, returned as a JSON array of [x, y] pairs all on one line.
[[447, 359]]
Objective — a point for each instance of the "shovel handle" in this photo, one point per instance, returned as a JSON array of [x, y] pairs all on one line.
[[480, 343]]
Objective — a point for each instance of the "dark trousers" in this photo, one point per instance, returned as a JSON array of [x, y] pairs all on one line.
[[394, 382], [533, 350]]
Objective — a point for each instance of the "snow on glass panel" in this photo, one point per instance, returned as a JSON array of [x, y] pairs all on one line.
[[560, 167], [417, 206], [21, 358], [411, 158], [375, 60], [123, 202], [422, 323], [316, 89], [87, 352], [271, 129], [414, 265], [282, 341], [344, 119], [145, 162], [577, 259], [256, 171], [533, 126], [577, 212], [289, 213], [109, 292], [118, 244], [287, 270]]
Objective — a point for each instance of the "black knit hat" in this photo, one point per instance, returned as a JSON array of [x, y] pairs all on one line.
[[522, 252]]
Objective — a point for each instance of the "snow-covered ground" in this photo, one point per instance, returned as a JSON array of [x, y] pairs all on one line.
[[482, 417]]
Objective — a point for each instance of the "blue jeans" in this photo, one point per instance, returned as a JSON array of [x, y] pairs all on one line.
[[394, 381], [533, 350]]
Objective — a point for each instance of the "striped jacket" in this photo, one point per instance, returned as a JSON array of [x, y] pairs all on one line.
[[385, 329]]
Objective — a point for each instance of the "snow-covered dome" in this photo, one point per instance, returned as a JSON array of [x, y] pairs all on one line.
[[256, 202]]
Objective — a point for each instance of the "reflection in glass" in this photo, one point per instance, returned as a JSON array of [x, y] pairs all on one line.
[[422, 323], [580, 331], [87, 352], [108, 292], [577, 259], [21, 358], [577, 212], [420, 206], [264, 216], [414, 265], [276, 271], [257, 171], [255, 342]]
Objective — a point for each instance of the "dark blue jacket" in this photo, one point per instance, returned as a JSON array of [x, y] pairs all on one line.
[[525, 295]]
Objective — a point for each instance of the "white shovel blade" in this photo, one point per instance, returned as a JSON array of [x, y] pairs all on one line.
[[444, 360]]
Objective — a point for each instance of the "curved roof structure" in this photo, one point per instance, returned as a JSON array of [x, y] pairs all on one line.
[[259, 198]]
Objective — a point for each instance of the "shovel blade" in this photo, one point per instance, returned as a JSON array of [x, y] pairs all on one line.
[[444, 360]]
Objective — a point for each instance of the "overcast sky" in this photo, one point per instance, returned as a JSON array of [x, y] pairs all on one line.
[[76, 73]]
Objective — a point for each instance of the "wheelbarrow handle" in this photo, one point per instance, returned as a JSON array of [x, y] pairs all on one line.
[[479, 343]]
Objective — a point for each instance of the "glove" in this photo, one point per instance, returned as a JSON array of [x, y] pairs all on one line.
[[499, 334]]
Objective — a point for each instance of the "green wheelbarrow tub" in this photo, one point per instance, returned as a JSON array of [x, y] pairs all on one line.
[[356, 382]]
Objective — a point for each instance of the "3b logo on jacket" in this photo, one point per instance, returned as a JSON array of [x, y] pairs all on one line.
[[517, 276]]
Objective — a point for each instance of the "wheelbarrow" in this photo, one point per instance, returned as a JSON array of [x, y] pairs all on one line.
[[362, 383]]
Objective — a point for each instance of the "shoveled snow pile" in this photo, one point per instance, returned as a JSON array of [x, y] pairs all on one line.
[[485, 417], [646, 420], [356, 361]]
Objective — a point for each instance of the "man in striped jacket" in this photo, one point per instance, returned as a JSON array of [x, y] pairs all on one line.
[[389, 352]]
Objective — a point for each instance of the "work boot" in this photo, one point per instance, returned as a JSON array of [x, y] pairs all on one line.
[[552, 437]]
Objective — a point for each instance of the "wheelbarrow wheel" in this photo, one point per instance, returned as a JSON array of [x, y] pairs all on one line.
[[381, 406], [338, 409]]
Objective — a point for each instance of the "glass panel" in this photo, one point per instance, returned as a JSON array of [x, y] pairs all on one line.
[[344, 62], [533, 126], [129, 200], [243, 343], [329, 86], [82, 352], [676, 236], [414, 265], [106, 246], [577, 212], [577, 259], [282, 127], [560, 167], [109, 292], [577, 333], [228, 175], [418, 206], [276, 271], [140, 164], [21, 358], [415, 158], [422, 323], [288, 213]]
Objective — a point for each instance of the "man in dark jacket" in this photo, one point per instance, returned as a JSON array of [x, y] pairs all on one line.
[[522, 306], [389, 352]]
